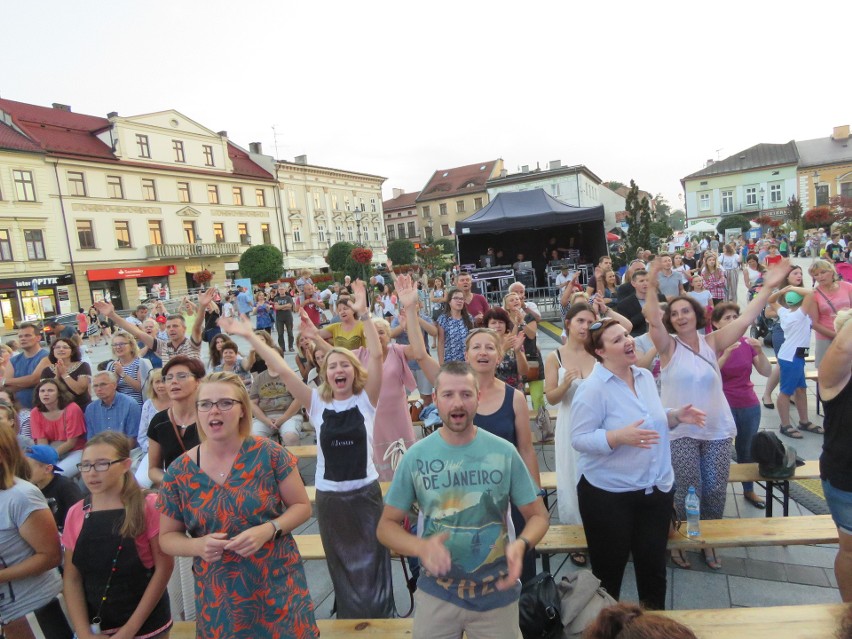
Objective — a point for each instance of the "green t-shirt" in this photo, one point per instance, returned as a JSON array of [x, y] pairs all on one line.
[[465, 491]]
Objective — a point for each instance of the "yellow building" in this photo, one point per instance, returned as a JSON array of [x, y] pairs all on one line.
[[147, 201], [825, 168], [452, 195]]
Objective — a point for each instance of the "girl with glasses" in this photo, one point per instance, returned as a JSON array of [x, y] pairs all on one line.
[[115, 572], [231, 503], [453, 326], [65, 365], [173, 431], [349, 498], [131, 370]]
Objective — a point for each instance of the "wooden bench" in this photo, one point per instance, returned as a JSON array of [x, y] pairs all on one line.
[[814, 621]]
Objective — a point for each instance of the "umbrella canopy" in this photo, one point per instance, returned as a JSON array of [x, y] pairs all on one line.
[[612, 237], [291, 262], [316, 261], [701, 227]]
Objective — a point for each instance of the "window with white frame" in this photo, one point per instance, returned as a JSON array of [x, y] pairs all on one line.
[[751, 196], [703, 201], [554, 189], [317, 200], [321, 233], [775, 194], [297, 234], [5, 246], [350, 233], [347, 204], [335, 204], [376, 234], [373, 204], [339, 232], [727, 201]]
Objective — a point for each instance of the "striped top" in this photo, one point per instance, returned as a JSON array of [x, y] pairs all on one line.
[[131, 370]]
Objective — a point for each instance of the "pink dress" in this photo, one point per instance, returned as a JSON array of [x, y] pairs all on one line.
[[393, 417]]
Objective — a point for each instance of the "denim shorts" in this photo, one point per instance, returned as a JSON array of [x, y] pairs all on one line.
[[792, 375], [840, 504]]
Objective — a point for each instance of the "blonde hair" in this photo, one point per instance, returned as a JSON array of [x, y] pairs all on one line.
[[12, 461], [490, 332], [131, 342], [231, 379], [843, 316], [510, 294], [155, 375], [820, 265], [381, 321], [574, 296], [131, 494], [326, 392]]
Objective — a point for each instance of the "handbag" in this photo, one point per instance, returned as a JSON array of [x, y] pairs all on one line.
[[540, 608], [581, 599], [545, 424]]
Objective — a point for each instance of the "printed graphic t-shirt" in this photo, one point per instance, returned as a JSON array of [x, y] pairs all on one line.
[[465, 491]]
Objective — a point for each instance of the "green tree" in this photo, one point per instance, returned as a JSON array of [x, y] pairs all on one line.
[[613, 185], [262, 263], [662, 209], [733, 222], [338, 255], [401, 252], [677, 220], [794, 212], [445, 245], [638, 220], [356, 270]]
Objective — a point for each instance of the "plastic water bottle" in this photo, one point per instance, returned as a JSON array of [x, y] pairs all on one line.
[[693, 513]]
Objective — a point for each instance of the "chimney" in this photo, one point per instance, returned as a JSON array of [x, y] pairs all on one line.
[[301, 159], [555, 164], [840, 132], [222, 134], [112, 114], [256, 147], [398, 192], [61, 107], [708, 163], [525, 168], [503, 173]]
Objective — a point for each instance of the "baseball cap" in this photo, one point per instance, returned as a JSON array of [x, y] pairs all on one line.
[[44, 455], [161, 319], [792, 298]]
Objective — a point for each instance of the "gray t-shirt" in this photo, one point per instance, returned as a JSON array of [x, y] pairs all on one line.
[[669, 284], [30, 593]]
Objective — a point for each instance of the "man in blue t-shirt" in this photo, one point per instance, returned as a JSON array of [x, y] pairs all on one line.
[[462, 478], [25, 363], [245, 301]]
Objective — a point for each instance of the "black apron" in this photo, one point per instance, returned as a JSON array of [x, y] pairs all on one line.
[[94, 555]]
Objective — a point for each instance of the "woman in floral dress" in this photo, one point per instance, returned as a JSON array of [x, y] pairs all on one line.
[[239, 497]]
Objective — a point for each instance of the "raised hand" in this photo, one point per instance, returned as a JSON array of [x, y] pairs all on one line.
[[405, 291], [307, 328], [206, 296], [104, 307], [237, 325], [359, 304], [777, 275]]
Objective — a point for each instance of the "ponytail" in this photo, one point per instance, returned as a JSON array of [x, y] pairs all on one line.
[[131, 494]]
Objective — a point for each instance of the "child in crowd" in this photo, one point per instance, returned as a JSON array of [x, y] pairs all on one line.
[[796, 324]]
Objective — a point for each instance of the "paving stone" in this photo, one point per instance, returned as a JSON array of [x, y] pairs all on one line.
[[768, 570], [692, 589], [810, 575], [821, 557], [758, 592], [832, 578], [732, 565]]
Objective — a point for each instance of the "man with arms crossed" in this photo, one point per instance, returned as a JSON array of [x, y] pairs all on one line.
[[463, 478]]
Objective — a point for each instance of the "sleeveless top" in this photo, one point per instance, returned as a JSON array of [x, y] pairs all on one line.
[[501, 422], [132, 370], [835, 462]]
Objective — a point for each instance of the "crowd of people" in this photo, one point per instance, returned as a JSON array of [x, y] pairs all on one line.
[[164, 451]]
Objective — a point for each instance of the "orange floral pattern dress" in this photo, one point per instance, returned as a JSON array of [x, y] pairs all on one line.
[[266, 594]]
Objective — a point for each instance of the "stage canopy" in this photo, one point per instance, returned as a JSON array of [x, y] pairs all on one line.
[[533, 209]]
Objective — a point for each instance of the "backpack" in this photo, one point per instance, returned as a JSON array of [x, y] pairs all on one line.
[[582, 600], [774, 458]]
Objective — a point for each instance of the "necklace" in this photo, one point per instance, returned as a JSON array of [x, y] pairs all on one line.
[[183, 427]]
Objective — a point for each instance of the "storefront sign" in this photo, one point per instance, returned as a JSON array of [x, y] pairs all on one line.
[[35, 283], [130, 272]]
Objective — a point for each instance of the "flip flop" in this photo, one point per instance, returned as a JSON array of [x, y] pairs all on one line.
[[710, 559], [812, 428], [679, 559], [791, 432], [755, 501]]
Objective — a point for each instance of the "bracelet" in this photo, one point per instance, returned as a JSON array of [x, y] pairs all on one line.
[[526, 543]]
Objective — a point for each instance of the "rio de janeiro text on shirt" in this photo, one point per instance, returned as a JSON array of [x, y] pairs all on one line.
[[434, 475]]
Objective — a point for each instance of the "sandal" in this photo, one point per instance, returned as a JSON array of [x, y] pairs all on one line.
[[578, 559], [710, 559], [790, 432], [679, 559], [754, 500], [812, 428]]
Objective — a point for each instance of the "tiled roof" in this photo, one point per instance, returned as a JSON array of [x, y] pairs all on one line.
[[823, 151], [11, 139], [244, 166], [458, 181], [59, 131], [756, 157], [404, 201]]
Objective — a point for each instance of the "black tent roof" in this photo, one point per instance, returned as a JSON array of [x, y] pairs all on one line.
[[533, 209]]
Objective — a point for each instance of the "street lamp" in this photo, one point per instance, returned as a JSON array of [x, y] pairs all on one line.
[[762, 193], [816, 188], [358, 223]]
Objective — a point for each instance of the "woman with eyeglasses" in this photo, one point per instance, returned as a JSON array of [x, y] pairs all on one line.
[[29, 551], [115, 572], [58, 422], [231, 503], [689, 372], [349, 498], [620, 431], [131, 370], [64, 364], [173, 431], [453, 326]]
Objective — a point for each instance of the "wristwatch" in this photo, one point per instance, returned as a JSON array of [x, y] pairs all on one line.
[[277, 528]]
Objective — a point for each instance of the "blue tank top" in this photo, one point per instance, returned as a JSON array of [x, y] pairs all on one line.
[[501, 422]]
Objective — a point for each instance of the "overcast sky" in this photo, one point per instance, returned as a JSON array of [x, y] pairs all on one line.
[[642, 90]]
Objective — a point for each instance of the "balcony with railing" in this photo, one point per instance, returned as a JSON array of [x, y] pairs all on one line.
[[218, 249]]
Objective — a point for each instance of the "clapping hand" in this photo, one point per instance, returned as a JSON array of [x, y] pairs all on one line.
[[515, 342], [434, 555]]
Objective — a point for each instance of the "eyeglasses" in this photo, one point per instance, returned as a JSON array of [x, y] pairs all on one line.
[[99, 466], [119, 344], [181, 377], [224, 405], [457, 299]]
